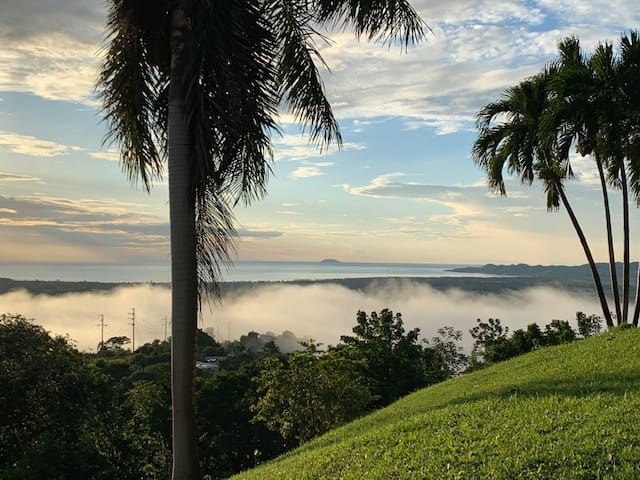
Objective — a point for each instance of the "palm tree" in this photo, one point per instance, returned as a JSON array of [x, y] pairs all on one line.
[[602, 105], [581, 98], [609, 144], [630, 93], [512, 136], [200, 82]]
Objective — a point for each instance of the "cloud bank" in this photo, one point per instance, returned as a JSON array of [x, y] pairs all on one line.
[[322, 312]]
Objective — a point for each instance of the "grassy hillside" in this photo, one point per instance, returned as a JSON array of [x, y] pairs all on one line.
[[565, 412]]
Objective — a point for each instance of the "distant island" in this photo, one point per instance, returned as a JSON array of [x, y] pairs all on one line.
[[330, 261]]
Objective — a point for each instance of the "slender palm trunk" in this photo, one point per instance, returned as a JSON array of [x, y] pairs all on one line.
[[612, 258], [184, 293], [636, 310], [587, 251], [626, 263]]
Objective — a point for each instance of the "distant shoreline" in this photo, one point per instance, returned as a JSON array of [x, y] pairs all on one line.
[[470, 284], [484, 279]]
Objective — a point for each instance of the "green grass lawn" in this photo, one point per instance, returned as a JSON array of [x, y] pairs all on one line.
[[568, 412]]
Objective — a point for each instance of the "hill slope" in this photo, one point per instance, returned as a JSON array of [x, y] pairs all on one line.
[[565, 412]]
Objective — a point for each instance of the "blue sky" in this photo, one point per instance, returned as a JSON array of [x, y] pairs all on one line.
[[404, 188]]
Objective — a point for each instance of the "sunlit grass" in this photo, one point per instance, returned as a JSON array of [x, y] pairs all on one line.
[[568, 412]]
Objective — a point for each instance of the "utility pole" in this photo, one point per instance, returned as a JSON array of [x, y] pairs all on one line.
[[165, 327], [102, 325], [132, 317]]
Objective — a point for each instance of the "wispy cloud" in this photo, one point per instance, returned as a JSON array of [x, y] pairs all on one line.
[[112, 155], [297, 148], [50, 48], [32, 146], [103, 228], [14, 177], [288, 212], [310, 170], [249, 232]]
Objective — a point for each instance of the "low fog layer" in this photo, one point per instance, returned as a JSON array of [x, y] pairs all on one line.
[[321, 312]]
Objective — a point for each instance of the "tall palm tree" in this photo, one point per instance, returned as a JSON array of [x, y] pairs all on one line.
[[199, 83], [512, 136], [581, 97], [630, 93], [609, 144]]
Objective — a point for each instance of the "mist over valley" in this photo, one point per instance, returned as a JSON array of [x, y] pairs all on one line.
[[322, 311]]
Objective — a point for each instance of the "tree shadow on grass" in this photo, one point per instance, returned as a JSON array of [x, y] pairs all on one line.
[[579, 386]]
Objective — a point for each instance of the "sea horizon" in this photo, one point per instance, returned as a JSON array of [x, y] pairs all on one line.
[[241, 271]]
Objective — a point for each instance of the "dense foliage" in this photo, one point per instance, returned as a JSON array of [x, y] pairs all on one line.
[[66, 414], [492, 342]]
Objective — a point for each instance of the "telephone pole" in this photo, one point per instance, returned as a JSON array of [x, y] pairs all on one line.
[[132, 317], [102, 325], [166, 320]]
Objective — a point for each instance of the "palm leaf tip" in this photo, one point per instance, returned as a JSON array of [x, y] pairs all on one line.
[[388, 21], [215, 240]]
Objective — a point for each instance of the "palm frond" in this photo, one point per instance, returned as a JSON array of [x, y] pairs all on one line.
[[387, 21], [301, 87], [231, 97], [215, 239], [128, 86]]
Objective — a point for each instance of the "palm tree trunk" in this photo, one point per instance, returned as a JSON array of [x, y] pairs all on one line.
[[587, 251], [636, 310], [612, 259], [626, 263], [184, 289]]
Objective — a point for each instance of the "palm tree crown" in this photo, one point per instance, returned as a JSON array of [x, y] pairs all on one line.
[[247, 59]]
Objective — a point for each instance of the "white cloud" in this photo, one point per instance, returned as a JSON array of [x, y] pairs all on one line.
[[54, 66], [50, 48], [288, 212], [32, 146], [478, 48], [102, 229], [14, 177], [297, 148], [310, 170], [112, 155], [585, 170]]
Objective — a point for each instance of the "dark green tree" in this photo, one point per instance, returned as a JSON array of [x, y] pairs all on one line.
[[114, 345], [576, 106], [309, 392], [230, 440], [491, 342], [44, 405], [588, 325], [392, 357], [443, 356], [557, 332]]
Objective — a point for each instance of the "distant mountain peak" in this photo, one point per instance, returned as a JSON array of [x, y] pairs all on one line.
[[330, 261]]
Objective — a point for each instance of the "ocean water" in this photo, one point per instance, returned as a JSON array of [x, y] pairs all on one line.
[[241, 271]]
